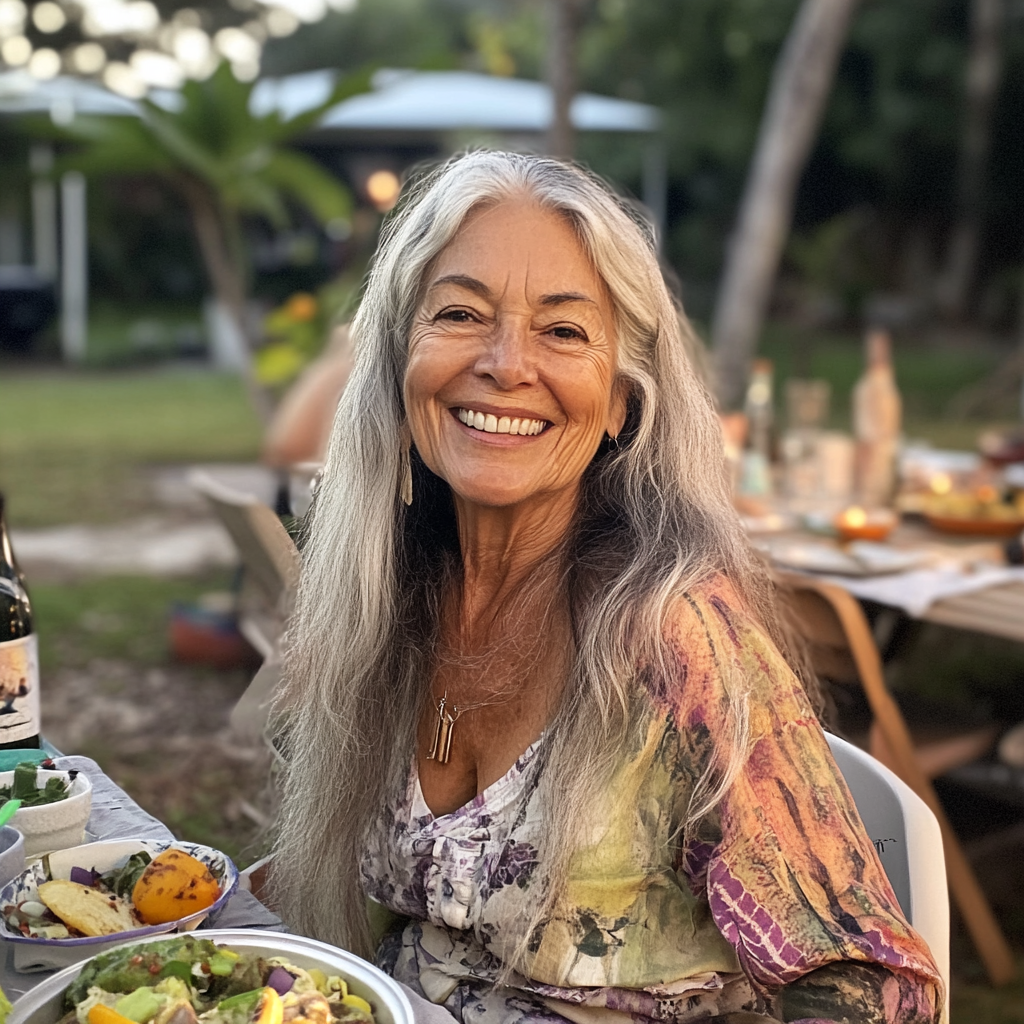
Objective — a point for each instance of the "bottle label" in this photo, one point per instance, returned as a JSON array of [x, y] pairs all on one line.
[[19, 689]]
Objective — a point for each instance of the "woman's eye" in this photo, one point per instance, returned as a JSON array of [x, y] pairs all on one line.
[[566, 333], [455, 316]]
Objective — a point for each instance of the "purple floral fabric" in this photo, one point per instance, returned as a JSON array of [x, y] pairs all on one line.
[[778, 906]]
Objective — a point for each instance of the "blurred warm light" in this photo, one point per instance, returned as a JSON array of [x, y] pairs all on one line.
[[157, 70], [941, 483], [113, 17], [257, 30], [309, 11], [48, 17], [12, 18], [854, 517], [88, 58], [188, 18], [192, 49], [383, 187], [16, 51], [280, 23], [987, 494], [44, 64], [122, 79], [245, 70], [237, 46]]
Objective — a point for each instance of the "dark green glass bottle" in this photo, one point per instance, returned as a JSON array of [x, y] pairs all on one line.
[[19, 653]]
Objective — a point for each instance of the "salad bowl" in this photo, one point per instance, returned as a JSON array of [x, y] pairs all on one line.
[[101, 858], [44, 1003]]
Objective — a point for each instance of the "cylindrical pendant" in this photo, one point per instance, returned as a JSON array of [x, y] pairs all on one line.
[[445, 739], [435, 744]]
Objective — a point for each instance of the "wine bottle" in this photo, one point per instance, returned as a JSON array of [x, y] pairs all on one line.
[[19, 653]]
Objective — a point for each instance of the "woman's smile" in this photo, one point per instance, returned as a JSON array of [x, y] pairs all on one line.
[[501, 423]]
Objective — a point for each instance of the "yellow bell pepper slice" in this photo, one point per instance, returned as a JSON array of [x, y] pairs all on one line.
[[270, 1010], [101, 1014], [356, 1002]]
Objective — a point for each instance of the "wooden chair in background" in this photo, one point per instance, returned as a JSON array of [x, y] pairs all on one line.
[[841, 648], [270, 575]]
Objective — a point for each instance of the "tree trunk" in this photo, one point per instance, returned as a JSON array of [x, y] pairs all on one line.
[[801, 82], [984, 70], [227, 280], [564, 17]]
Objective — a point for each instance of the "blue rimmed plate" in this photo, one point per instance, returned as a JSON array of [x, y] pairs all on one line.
[[104, 857]]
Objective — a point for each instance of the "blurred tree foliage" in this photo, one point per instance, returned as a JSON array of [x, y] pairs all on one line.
[[888, 147]]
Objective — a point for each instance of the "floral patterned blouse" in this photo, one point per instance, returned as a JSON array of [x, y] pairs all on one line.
[[779, 907]]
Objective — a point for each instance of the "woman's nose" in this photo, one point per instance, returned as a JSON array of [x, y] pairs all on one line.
[[508, 357]]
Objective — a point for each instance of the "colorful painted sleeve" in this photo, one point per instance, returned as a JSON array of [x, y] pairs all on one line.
[[794, 883]]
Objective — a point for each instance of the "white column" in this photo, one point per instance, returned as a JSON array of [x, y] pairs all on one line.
[[44, 212], [74, 330]]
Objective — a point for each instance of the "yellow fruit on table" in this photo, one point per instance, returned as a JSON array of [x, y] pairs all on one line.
[[174, 886]]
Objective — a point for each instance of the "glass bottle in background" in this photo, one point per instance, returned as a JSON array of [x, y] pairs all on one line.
[[19, 653], [877, 415], [756, 480], [807, 404]]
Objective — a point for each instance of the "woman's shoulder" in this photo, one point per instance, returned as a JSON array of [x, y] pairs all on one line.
[[714, 648]]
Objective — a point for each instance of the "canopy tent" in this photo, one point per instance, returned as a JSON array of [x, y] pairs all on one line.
[[408, 104], [402, 105]]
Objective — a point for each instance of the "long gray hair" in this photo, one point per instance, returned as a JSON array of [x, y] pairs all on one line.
[[654, 520]]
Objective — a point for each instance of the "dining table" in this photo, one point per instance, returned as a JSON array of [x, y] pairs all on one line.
[[115, 815], [952, 580]]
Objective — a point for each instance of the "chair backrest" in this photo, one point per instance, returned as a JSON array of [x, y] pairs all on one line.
[[909, 843], [268, 554]]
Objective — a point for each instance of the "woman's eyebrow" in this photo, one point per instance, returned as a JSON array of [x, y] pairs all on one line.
[[464, 281], [560, 298]]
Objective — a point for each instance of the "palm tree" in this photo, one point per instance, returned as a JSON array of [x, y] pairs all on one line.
[[227, 162]]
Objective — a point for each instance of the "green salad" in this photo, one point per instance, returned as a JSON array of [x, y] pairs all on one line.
[[185, 980]]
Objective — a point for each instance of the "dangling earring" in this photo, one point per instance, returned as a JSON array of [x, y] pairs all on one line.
[[405, 465], [613, 442]]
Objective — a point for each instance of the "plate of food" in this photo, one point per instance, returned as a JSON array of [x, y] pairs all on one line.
[[217, 977], [111, 891], [983, 512]]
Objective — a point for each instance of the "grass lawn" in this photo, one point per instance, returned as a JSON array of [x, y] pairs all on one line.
[[71, 444]]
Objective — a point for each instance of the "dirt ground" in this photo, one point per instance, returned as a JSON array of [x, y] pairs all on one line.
[[162, 733]]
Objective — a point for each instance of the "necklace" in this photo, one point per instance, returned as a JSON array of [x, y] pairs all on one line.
[[444, 727]]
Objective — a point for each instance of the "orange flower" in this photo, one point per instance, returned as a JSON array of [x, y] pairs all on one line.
[[302, 306]]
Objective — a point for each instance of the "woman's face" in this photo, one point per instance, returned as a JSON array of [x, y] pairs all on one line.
[[511, 382]]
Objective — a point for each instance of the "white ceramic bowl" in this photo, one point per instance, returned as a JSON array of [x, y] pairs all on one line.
[[44, 1003], [38, 954], [53, 826], [12, 854]]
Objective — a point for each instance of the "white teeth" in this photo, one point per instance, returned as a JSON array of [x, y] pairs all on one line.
[[491, 424]]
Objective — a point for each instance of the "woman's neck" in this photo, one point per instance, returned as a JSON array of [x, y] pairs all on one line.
[[501, 547]]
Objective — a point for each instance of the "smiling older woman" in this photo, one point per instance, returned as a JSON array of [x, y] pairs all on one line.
[[539, 707]]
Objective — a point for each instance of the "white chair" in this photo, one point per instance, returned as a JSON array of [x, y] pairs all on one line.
[[909, 843]]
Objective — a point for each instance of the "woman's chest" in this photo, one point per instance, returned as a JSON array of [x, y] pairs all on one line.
[[447, 868]]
